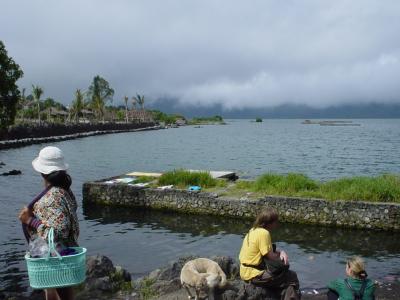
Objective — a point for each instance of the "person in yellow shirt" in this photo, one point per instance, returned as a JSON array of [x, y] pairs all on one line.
[[261, 263]]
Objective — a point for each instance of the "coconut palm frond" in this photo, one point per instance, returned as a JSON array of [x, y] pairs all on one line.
[[37, 92]]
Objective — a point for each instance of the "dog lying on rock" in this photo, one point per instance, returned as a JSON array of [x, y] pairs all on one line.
[[203, 275]]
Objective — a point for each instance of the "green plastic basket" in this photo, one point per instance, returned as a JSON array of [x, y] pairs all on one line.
[[56, 271]]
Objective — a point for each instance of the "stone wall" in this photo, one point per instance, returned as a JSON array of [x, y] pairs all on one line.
[[74, 132], [354, 214], [51, 130]]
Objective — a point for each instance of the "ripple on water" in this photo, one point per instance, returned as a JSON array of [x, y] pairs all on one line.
[[145, 241]]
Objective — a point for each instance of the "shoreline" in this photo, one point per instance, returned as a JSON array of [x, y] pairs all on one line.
[[18, 143], [164, 284], [347, 214], [104, 280]]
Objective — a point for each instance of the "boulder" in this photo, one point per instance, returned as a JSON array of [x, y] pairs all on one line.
[[252, 292], [103, 284], [12, 172], [98, 266], [101, 275], [166, 282], [122, 274], [163, 287], [173, 271], [228, 265]]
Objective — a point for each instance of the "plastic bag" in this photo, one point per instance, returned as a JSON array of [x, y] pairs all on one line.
[[194, 188], [38, 247], [65, 251]]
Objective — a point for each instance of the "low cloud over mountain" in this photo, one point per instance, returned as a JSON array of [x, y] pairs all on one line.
[[230, 54]]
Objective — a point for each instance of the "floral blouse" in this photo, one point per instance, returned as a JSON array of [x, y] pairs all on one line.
[[57, 209]]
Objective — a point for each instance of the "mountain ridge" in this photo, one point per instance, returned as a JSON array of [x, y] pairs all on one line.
[[286, 111]]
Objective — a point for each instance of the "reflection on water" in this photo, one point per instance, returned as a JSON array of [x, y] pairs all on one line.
[[13, 274], [317, 253]]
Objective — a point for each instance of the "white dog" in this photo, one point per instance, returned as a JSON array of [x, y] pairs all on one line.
[[203, 275]]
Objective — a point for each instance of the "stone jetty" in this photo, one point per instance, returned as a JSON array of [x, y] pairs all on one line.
[[351, 214], [22, 142]]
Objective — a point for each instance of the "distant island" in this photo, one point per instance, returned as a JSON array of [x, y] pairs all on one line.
[[284, 111], [330, 123], [215, 120]]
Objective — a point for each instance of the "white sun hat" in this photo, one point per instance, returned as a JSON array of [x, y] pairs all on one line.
[[50, 159]]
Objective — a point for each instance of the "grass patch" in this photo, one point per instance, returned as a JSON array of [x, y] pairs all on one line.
[[384, 188], [144, 179], [146, 289], [183, 178], [270, 183], [291, 183], [221, 183], [119, 282]]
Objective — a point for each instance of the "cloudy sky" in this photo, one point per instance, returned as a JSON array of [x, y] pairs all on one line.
[[240, 54]]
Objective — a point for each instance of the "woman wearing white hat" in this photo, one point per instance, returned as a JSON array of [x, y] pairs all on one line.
[[54, 208]]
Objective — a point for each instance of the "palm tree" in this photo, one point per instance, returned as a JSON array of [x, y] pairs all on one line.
[[99, 94], [21, 103], [78, 105], [140, 101], [37, 92], [126, 98], [134, 102], [98, 106]]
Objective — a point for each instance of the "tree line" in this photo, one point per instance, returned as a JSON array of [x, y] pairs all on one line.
[[95, 100]]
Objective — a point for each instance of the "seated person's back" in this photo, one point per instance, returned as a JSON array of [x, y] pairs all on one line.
[[355, 285]]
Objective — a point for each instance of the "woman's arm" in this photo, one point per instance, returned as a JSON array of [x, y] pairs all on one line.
[[282, 256], [272, 255]]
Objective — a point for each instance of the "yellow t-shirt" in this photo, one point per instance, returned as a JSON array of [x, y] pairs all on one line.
[[256, 244]]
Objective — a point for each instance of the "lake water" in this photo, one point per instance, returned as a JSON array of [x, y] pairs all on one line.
[[142, 241]]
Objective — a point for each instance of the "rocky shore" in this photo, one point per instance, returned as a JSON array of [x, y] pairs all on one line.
[[47, 135], [106, 281], [103, 281], [165, 284]]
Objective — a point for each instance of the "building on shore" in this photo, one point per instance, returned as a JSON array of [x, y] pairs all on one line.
[[140, 116], [54, 114], [181, 122], [88, 116]]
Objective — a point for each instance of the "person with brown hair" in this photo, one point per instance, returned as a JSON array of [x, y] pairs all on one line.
[[55, 207], [355, 286], [261, 263]]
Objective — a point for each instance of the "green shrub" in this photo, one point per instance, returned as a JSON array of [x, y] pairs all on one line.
[[146, 289], [183, 178], [119, 283]]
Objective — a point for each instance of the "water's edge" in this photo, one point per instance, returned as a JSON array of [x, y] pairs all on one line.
[[11, 144], [351, 214]]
